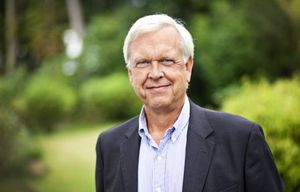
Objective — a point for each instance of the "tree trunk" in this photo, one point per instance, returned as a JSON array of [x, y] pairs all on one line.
[[75, 16], [10, 36]]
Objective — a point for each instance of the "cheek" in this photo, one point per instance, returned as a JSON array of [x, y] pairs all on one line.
[[181, 82], [180, 77], [137, 81]]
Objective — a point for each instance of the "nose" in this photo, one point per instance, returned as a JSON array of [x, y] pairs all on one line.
[[155, 72]]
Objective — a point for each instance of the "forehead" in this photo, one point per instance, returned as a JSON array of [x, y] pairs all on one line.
[[162, 41]]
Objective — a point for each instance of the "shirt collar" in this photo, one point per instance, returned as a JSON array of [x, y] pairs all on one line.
[[180, 124], [182, 120]]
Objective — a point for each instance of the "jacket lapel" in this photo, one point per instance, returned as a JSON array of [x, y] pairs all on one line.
[[199, 151], [129, 150]]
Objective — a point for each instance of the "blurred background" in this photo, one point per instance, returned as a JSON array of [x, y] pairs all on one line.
[[63, 80]]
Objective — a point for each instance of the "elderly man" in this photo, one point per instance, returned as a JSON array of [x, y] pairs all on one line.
[[175, 145]]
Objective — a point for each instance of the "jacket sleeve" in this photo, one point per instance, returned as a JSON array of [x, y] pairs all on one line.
[[261, 174], [99, 167]]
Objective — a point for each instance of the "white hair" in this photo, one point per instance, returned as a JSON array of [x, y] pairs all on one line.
[[153, 23]]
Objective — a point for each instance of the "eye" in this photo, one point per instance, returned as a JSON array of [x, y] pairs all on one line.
[[167, 62], [142, 64]]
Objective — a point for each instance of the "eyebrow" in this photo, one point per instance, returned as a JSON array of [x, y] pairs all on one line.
[[139, 59]]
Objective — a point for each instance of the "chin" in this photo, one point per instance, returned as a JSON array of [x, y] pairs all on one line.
[[160, 104]]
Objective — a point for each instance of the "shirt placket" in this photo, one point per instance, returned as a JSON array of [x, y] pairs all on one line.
[[159, 172], [159, 169]]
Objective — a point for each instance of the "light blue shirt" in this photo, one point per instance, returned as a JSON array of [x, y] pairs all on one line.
[[161, 167]]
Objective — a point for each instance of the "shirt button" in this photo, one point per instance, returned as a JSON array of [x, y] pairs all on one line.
[[158, 189], [159, 158]]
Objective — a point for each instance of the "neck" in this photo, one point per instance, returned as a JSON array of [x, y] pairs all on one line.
[[159, 121]]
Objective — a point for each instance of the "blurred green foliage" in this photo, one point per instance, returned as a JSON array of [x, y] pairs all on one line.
[[233, 39], [103, 44], [13, 144], [109, 98], [16, 147], [40, 38], [11, 87], [104, 38], [276, 107], [44, 102], [243, 39]]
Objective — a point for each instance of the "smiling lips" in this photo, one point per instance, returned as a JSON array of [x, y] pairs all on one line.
[[157, 87]]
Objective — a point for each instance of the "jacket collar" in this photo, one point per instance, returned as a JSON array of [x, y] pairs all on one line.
[[129, 156], [199, 151]]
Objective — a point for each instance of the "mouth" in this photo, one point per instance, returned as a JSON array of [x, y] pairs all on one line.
[[157, 87]]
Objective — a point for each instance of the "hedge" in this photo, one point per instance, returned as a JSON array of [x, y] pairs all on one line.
[[276, 107]]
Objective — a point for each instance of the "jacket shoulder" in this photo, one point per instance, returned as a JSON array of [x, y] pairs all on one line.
[[227, 119], [119, 131], [224, 122]]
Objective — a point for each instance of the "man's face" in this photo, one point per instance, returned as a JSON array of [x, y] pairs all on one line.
[[157, 70]]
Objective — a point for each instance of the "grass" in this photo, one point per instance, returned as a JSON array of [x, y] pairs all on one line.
[[70, 160]]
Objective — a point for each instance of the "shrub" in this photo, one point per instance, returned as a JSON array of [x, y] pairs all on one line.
[[245, 38], [46, 100], [103, 46], [110, 97], [13, 144], [11, 86], [276, 108], [103, 41]]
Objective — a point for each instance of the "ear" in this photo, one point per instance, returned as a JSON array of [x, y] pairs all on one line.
[[189, 67], [129, 75]]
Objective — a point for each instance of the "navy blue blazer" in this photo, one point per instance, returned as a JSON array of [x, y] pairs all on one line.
[[224, 153]]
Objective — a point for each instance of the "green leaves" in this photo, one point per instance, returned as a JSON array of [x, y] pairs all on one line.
[[110, 97], [276, 107], [45, 102]]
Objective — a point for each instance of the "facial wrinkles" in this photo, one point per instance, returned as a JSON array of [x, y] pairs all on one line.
[[153, 47], [154, 41]]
